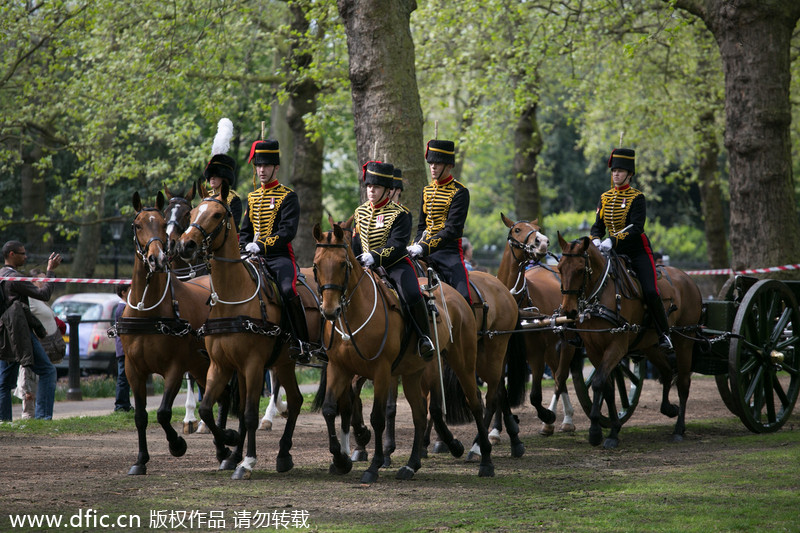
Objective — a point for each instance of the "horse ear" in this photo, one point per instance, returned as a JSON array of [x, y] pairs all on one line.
[[192, 193], [561, 241], [348, 224], [202, 188], [536, 223], [330, 221], [137, 202], [585, 242], [507, 221], [337, 231], [160, 201], [317, 231], [167, 191]]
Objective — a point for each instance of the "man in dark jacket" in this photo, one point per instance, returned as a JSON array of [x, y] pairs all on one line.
[[15, 255]]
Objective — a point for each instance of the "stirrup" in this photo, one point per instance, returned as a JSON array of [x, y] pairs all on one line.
[[426, 349], [300, 353], [665, 343]]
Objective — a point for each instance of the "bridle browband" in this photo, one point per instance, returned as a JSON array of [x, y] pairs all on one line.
[[332, 286], [208, 238], [142, 251]]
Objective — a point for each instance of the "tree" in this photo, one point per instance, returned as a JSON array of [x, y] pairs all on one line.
[[754, 38]]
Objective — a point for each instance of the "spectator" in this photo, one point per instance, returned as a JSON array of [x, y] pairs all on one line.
[[15, 255], [123, 397], [467, 247]]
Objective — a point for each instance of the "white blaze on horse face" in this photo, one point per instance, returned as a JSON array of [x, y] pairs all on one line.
[[541, 243]]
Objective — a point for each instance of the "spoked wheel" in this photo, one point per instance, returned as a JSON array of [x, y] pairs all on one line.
[[763, 360], [724, 388], [627, 379]]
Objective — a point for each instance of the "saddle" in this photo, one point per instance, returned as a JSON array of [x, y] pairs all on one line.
[[627, 283]]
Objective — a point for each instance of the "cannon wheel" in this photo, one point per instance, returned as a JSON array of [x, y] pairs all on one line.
[[763, 359], [628, 378], [724, 388]]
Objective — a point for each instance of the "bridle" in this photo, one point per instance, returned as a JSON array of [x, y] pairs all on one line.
[[172, 208], [142, 251], [209, 237], [348, 268], [527, 252], [587, 276]]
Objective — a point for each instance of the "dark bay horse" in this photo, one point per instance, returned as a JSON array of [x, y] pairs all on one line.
[[366, 336], [158, 328], [611, 321], [537, 289]]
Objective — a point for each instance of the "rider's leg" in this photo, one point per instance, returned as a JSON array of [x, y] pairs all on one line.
[[405, 280]]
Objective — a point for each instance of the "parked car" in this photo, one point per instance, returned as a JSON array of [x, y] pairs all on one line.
[[97, 350]]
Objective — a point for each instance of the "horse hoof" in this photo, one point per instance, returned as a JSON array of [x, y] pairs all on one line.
[[228, 464], [405, 473], [284, 464], [610, 444], [473, 457], [202, 427], [518, 450], [359, 456], [567, 428], [266, 425], [341, 465], [178, 447], [137, 470], [486, 471], [368, 477], [456, 448], [595, 437], [189, 427], [241, 473], [670, 410], [387, 461], [547, 430], [231, 437], [439, 447], [547, 416], [677, 437]]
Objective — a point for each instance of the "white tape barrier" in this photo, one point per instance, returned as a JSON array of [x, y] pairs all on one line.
[[96, 281], [728, 271]]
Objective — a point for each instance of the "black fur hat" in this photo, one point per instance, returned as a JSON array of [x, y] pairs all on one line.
[[624, 158], [378, 173], [397, 180], [222, 166], [439, 151], [265, 153]]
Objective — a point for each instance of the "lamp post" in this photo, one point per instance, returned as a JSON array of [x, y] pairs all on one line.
[[116, 227]]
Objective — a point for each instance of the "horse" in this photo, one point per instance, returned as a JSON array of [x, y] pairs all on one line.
[[158, 328], [610, 318], [243, 333], [366, 336], [538, 292]]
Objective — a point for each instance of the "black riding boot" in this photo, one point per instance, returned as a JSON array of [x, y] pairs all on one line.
[[662, 328], [299, 350], [419, 316]]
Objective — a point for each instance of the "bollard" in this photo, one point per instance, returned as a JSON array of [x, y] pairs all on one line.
[[74, 390]]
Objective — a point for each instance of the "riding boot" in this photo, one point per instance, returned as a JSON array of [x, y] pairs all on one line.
[[419, 316], [299, 351], [662, 328]]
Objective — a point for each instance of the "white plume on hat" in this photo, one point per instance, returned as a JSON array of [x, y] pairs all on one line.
[[222, 141]]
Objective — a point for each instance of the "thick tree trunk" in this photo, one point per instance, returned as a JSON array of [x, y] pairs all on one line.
[[34, 201], [306, 170], [386, 106], [754, 38], [527, 147]]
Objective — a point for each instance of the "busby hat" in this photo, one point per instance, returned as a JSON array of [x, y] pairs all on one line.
[[265, 153], [221, 164], [439, 151], [624, 158], [378, 173], [397, 179]]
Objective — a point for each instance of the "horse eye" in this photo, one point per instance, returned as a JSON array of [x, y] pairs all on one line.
[[137, 226]]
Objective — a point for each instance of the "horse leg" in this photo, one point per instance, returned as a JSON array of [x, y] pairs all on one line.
[[595, 430], [235, 458], [612, 441], [412, 387], [684, 383], [567, 425], [139, 390], [189, 419], [294, 401], [214, 386], [391, 414], [512, 422], [497, 427], [378, 421], [336, 386], [360, 430], [466, 376], [447, 441], [172, 383], [547, 416]]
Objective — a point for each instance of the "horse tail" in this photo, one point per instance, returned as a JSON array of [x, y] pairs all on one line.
[[319, 397], [457, 409], [516, 369]]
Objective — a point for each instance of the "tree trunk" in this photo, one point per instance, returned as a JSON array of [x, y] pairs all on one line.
[[386, 108], [306, 168], [527, 147], [754, 39], [34, 200]]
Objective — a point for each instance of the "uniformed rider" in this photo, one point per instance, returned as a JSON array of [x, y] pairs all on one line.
[[269, 226], [622, 212], [381, 231], [443, 213]]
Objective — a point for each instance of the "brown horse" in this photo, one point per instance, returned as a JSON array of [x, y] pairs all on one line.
[[537, 290], [610, 318], [243, 333], [367, 336], [158, 328]]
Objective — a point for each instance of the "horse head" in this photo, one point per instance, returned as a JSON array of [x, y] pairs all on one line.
[[334, 263], [150, 233], [209, 226], [525, 236], [577, 272], [177, 213]]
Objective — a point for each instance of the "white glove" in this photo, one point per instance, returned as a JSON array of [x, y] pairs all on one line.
[[366, 259], [415, 250], [606, 244], [596, 242], [252, 248]]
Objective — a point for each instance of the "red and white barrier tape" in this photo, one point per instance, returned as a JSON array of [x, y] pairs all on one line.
[[728, 271], [96, 281]]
